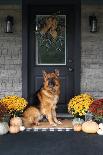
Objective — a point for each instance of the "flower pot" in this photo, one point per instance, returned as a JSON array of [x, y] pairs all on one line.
[[77, 121], [88, 116], [6, 118], [98, 120]]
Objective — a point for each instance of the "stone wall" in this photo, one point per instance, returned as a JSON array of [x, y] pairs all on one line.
[[92, 52], [10, 52]]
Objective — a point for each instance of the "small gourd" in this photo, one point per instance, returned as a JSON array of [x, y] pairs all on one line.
[[90, 127], [22, 128], [14, 129], [16, 121], [101, 126], [4, 128], [100, 132], [77, 127]]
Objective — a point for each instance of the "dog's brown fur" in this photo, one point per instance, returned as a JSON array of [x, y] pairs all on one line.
[[31, 116], [48, 97]]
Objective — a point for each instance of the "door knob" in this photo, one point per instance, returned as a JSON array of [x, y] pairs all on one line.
[[70, 60], [70, 69]]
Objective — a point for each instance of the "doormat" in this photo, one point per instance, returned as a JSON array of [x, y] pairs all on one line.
[[45, 126]]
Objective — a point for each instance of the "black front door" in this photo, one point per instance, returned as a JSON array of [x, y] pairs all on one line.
[[52, 42]]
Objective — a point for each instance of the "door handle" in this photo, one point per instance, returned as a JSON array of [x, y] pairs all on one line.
[[70, 60], [70, 69]]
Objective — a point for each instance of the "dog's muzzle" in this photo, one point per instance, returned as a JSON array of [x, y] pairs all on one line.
[[51, 82]]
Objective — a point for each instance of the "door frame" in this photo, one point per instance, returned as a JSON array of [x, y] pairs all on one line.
[[25, 42]]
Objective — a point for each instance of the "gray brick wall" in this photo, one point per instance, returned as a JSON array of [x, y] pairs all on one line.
[[10, 52], [92, 52]]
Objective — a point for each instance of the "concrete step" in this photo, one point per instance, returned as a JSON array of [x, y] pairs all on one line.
[[64, 115]]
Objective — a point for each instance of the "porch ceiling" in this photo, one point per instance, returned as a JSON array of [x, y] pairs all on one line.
[[19, 2]]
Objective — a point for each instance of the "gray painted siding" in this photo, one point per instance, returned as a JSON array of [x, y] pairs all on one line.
[[10, 53], [92, 52]]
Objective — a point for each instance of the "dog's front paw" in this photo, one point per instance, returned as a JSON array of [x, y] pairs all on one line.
[[53, 124], [59, 122], [37, 123]]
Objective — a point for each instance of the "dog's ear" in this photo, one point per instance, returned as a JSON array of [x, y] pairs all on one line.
[[44, 74], [57, 72]]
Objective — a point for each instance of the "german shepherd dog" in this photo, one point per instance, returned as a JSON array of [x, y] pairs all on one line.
[[48, 97]]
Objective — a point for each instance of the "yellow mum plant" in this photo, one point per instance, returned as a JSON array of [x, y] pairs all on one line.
[[14, 104], [79, 105]]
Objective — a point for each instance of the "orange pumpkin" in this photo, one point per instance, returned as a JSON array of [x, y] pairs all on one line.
[[77, 127], [16, 121], [90, 127], [14, 129]]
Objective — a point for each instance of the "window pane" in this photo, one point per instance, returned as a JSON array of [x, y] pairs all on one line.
[[50, 40]]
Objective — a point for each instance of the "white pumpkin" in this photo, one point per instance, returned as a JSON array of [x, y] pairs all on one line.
[[90, 127], [16, 121], [100, 132], [4, 128], [101, 126], [14, 129]]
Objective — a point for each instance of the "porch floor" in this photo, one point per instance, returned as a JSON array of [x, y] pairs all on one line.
[[51, 143], [66, 123]]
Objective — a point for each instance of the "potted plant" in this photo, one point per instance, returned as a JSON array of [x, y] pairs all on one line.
[[3, 113], [96, 108], [79, 105], [14, 104]]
